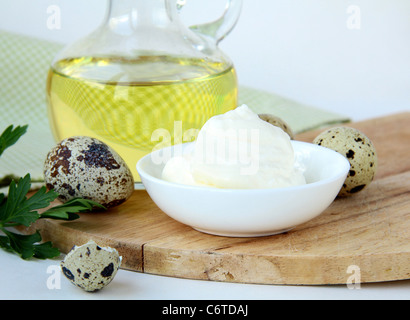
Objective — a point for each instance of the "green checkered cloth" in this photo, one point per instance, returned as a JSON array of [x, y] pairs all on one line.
[[24, 64]]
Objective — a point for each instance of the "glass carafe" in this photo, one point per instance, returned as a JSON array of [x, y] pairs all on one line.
[[143, 80]]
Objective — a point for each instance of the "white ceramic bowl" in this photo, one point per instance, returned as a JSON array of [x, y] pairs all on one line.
[[250, 212]]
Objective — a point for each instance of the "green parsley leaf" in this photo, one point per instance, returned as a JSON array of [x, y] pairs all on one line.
[[27, 245], [10, 136], [23, 244], [5, 243], [68, 210], [45, 251], [17, 209]]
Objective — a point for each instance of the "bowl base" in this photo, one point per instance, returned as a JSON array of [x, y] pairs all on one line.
[[243, 234]]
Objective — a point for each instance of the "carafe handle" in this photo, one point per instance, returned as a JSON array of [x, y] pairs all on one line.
[[221, 27]]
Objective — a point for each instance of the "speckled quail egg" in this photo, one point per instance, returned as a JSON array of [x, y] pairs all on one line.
[[84, 167], [278, 122], [90, 266], [360, 152]]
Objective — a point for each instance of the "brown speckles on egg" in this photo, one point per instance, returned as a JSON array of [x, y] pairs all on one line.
[[350, 154], [69, 189], [59, 161], [67, 273], [90, 266], [100, 181], [358, 149], [99, 155], [357, 189], [87, 168], [108, 270], [114, 203], [277, 122]]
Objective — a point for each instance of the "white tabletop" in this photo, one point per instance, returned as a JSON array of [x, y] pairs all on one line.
[[42, 279], [310, 54]]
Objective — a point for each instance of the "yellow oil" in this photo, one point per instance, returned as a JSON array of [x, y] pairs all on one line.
[[131, 104]]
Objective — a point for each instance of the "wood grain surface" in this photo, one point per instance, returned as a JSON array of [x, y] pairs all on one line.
[[370, 230]]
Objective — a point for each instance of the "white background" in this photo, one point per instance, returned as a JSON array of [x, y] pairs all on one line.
[[301, 49]]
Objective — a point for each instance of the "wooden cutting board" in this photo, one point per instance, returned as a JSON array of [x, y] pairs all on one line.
[[368, 232]]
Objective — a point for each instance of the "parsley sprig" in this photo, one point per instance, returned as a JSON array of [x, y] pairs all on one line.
[[19, 209], [10, 136]]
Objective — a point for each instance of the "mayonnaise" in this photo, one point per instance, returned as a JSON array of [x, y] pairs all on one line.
[[237, 150]]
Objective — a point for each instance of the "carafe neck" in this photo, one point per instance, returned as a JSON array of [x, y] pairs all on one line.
[[134, 13]]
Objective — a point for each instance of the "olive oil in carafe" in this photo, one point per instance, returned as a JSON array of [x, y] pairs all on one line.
[[142, 96]]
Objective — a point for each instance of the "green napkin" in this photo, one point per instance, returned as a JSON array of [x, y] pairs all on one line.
[[298, 116], [24, 63]]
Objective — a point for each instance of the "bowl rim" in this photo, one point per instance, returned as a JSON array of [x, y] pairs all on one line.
[[144, 174]]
